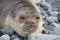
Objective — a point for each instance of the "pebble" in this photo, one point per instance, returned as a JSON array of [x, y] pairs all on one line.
[[7, 30], [51, 19], [46, 6], [54, 13], [6, 37], [56, 29], [2, 38], [15, 37], [43, 37], [58, 18]]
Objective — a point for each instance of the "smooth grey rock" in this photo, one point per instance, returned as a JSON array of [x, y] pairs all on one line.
[[50, 28], [51, 19], [2, 38], [36, 1], [46, 6], [55, 9], [55, 5], [58, 18], [53, 28], [7, 30], [45, 31], [43, 12], [49, 1], [45, 24], [15, 37], [43, 37], [54, 13], [44, 17], [6, 37], [56, 29]]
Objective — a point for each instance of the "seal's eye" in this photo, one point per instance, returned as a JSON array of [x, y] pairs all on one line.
[[22, 18], [37, 17]]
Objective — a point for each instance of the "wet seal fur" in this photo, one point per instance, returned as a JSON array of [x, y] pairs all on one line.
[[21, 16]]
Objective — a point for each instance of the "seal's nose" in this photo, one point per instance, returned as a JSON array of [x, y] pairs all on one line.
[[29, 21]]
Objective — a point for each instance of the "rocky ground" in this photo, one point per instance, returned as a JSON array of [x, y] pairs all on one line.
[[51, 22], [51, 17]]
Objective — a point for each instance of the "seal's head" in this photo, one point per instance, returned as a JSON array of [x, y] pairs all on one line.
[[21, 16], [25, 21]]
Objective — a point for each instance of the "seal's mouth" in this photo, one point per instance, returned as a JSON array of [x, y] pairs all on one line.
[[29, 31], [30, 28]]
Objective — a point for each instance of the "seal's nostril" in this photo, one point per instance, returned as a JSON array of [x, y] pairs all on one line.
[[34, 26], [32, 22]]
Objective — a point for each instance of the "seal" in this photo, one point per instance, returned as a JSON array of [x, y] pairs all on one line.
[[21, 16]]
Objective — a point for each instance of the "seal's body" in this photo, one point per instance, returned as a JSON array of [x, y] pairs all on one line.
[[21, 16]]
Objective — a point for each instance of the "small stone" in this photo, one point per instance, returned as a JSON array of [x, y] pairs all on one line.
[[45, 5], [44, 18], [45, 31], [56, 29], [50, 28], [7, 30], [45, 24], [55, 9], [6, 37], [2, 38], [15, 37], [51, 19], [58, 18], [54, 13], [39, 36]]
